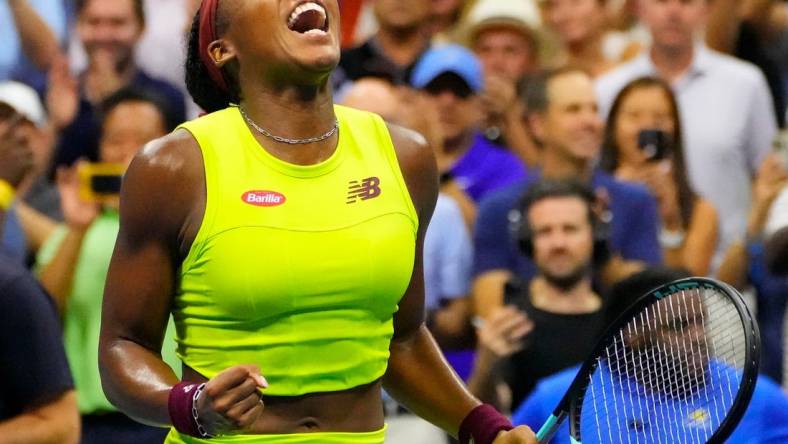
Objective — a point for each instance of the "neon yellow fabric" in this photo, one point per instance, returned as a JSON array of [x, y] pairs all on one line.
[[376, 437], [297, 269]]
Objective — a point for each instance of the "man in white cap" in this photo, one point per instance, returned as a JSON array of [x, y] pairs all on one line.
[[15, 161], [23, 128], [505, 37], [23, 100]]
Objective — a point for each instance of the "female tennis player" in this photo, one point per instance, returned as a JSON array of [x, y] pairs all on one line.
[[284, 235]]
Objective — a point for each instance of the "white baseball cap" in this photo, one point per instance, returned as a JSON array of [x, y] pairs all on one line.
[[522, 15], [24, 100]]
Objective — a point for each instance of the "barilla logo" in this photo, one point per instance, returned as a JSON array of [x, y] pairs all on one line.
[[264, 198]]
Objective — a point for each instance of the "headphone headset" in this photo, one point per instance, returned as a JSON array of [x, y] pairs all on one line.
[[521, 231]]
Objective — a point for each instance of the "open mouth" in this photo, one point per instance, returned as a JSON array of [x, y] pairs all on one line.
[[309, 18]]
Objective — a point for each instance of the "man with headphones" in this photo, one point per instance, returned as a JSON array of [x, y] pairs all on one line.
[[551, 321], [563, 118]]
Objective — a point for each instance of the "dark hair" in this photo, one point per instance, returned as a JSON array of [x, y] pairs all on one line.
[[139, 9], [201, 87], [555, 188], [626, 292], [551, 188], [131, 94], [534, 89], [609, 160]]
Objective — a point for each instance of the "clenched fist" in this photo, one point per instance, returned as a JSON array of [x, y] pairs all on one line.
[[231, 402]]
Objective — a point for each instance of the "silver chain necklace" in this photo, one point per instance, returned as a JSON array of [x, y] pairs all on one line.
[[281, 139]]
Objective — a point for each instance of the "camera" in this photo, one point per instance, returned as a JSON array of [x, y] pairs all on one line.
[[655, 144], [100, 182]]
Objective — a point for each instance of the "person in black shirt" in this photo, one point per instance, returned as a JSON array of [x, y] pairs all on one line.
[[552, 321], [109, 30], [37, 399], [393, 51]]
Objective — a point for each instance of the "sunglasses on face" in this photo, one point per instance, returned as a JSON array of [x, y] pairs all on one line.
[[449, 82]]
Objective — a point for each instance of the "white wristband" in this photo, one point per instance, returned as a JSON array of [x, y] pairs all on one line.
[[670, 239]]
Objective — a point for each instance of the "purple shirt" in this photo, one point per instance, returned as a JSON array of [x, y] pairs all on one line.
[[486, 167]]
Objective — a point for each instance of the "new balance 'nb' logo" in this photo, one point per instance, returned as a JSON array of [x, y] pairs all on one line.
[[366, 189]]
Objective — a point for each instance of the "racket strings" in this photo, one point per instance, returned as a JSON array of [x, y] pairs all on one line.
[[670, 375]]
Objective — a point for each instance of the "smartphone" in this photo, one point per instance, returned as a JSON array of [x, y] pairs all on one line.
[[513, 292], [100, 182], [655, 144]]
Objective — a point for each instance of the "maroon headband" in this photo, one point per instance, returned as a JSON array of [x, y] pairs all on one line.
[[207, 36]]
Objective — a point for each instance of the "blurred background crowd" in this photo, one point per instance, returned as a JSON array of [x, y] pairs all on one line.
[[578, 142]]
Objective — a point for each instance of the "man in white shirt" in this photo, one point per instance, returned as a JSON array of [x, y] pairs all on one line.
[[776, 234], [727, 116]]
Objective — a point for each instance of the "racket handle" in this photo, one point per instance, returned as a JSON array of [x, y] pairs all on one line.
[[545, 434]]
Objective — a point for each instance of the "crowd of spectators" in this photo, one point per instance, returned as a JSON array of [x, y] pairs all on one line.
[[578, 142]]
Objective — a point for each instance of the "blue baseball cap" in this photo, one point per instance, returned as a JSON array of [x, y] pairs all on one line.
[[448, 58]]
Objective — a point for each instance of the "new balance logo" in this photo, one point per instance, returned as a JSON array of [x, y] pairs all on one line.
[[366, 189]]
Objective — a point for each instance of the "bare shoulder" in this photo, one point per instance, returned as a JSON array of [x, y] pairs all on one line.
[[164, 188], [169, 157], [417, 162]]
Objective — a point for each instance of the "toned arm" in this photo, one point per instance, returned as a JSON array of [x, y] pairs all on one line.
[[162, 204], [418, 376]]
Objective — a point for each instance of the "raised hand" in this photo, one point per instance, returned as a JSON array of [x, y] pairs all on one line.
[[231, 401], [78, 213], [499, 97], [504, 334], [63, 94], [772, 177], [658, 176]]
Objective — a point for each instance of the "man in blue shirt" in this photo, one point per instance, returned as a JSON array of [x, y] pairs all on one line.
[[563, 117], [766, 419]]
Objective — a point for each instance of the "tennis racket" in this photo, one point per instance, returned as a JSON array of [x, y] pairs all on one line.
[[678, 366]]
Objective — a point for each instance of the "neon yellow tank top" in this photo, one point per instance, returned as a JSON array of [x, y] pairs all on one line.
[[297, 269]]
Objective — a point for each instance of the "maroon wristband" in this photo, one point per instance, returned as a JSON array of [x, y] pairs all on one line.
[[180, 405], [483, 424]]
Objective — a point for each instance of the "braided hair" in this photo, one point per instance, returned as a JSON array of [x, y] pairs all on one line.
[[201, 87]]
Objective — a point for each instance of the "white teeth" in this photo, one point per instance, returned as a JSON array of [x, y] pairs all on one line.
[[311, 6]]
